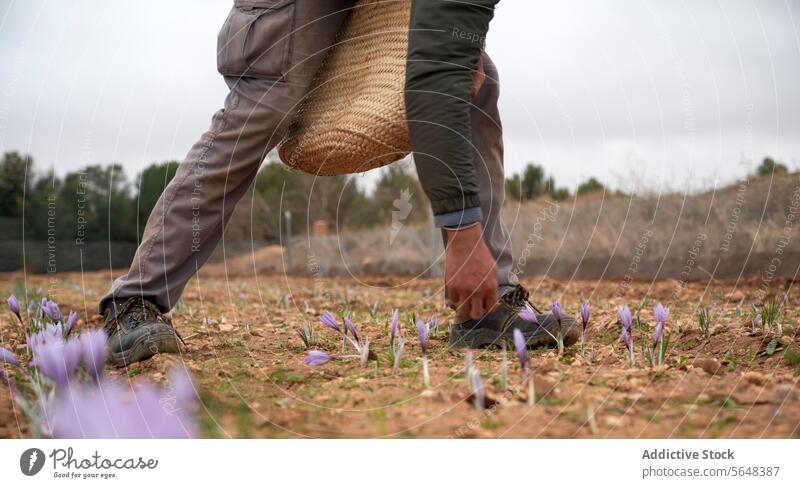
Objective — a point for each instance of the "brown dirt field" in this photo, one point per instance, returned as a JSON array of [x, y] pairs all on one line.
[[247, 359]]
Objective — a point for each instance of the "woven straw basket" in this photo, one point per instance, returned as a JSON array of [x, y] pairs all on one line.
[[353, 118]]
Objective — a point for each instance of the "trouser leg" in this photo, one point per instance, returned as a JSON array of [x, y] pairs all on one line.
[[189, 218]]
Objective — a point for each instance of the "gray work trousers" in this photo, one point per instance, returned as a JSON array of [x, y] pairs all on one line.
[[269, 52]]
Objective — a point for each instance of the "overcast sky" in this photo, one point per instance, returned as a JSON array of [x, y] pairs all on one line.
[[664, 92]]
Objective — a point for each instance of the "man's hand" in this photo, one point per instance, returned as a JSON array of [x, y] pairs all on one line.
[[470, 273]]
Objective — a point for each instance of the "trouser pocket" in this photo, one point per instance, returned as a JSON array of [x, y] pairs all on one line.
[[256, 39]]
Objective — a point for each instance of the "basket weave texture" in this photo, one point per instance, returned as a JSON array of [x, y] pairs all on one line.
[[353, 118]]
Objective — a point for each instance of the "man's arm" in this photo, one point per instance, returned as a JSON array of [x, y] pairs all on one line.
[[445, 44]]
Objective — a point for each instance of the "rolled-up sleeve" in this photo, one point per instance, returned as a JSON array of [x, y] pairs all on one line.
[[445, 43]]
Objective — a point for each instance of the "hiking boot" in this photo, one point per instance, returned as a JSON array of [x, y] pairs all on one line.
[[137, 330], [498, 326]]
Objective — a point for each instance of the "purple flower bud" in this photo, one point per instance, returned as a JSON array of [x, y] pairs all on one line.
[[8, 357], [422, 330], [756, 320], [625, 317], [555, 307], [13, 304], [71, 319], [626, 338], [393, 327], [522, 348], [528, 315], [658, 333], [352, 328], [317, 358], [94, 351], [329, 320], [661, 313], [585, 313], [52, 311]]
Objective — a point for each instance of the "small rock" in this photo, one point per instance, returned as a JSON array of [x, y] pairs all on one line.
[[709, 365], [547, 365], [735, 296], [223, 327], [755, 378], [612, 420]]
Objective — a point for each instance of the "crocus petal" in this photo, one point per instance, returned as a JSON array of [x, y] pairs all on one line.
[[658, 333], [8, 357], [393, 328], [94, 351], [528, 315], [71, 319], [522, 348], [329, 320], [585, 313], [13, 304], [422, 331], [661, 313], [317, 358], [626, 338], [351, 327], [57, 361], [555, 307], [625, 317], [53, 312]]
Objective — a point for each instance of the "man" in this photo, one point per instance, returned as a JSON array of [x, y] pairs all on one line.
[[268, 53]]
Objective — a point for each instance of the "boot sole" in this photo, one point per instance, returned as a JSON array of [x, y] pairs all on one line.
[[145, 348]]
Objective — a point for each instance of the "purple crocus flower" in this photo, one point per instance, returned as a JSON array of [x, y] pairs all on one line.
[[52, 311], [522, 349], [329, 320], [57, 360], [661, 313], [71, 319], [555, 307], [94, 351], [8, 357], [351, 327], [317, 358], [626, 338], [108, 410], [393, 327], [756, 320], [625, 317], [422, 330], [13, 304], [585, 314], [529, 315]]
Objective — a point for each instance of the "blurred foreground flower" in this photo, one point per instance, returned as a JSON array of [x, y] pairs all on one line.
[[317, 358], [55, 395], [109, 411]]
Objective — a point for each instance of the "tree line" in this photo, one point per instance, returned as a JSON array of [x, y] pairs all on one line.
[[99, 203]]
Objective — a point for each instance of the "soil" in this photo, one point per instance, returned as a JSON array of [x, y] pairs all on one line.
[[246, 357]]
